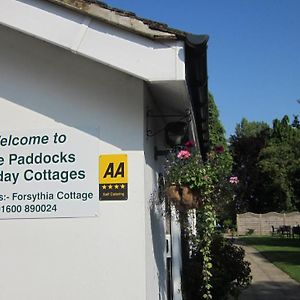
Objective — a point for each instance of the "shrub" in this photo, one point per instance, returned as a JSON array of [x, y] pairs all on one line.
[[250, 231], [227, 224], [230, 272]]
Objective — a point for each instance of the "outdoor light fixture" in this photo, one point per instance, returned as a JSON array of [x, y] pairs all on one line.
[[182, 120], [176, 133]]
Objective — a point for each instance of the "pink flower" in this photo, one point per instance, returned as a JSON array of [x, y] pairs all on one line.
[[233, 180], [183, 154]]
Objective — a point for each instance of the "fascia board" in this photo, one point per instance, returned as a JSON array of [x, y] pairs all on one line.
[[119, 18], [127, 52]]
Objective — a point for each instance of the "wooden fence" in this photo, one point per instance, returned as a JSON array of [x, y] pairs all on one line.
[[261, 224]]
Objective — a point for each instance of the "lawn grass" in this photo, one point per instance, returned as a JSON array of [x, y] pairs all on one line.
[[282, 252]]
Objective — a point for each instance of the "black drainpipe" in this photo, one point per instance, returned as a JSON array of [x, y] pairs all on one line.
[[196, 77]]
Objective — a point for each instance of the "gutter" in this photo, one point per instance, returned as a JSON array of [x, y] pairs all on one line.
[[195, 54], [196, 78]]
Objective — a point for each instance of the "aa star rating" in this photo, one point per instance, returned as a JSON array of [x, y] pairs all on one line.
[[113, 177], [116, 186]]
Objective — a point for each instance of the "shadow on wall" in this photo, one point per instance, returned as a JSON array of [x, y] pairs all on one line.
[[158, 240], [46, 83], [154, 204]]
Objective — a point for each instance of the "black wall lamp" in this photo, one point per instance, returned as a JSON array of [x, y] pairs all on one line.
[[176, 133], [186, 117]]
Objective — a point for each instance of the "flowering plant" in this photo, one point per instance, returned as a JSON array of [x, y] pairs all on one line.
[[187, 174], [185, 169]]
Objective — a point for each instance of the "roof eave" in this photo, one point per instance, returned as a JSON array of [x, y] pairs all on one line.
[[195, 53], [122, 19], [196, 77]]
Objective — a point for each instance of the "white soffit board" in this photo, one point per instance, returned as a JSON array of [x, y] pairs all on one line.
[[173, 96], [140, 57]]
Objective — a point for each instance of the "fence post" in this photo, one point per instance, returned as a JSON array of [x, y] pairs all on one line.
[[260, 225], [284, 219], [237, 224]]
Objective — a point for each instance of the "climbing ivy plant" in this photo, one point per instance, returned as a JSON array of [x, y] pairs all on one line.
[[208, 183]]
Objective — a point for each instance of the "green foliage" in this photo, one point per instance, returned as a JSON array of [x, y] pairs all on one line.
[[227, 224], [211, 178], [247, 129], [186, 168], [279, 166], [230, 273], [250, 231], [217, 138], [189, 170], [296, 122], [245, 145], [216, 130], [266, 160], [223, 196], [206, 226]]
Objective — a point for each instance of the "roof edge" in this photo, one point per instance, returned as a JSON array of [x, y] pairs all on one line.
[[197, 82], [195, 53], [122, 19]]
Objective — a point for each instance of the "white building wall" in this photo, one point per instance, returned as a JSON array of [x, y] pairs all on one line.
[[156, 266], [176, 258], [156, 273], [102, 257]]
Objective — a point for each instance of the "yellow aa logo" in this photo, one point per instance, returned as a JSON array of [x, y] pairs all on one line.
[[113, 168]]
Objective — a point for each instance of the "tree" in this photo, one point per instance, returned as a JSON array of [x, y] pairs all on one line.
[[245, 145], [294, 172], [247, 129], [216, 129], [296, 122], [279, 166], [218, 142], [267, 161]]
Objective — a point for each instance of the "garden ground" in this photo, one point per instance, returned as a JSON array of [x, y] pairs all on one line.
[[269, 282], [283, 252]]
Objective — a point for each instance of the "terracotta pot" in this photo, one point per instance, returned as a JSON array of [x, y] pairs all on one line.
[[183, 197], [173, 193], [187, 197]]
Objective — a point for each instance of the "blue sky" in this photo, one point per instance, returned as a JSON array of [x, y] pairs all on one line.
[[253, 51]]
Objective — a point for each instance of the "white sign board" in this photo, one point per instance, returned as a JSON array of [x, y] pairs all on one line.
[[48, 173]]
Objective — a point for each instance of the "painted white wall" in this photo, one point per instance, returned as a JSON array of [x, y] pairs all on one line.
[[156, 268], [176, 257], [120, 49], [103, 257], [156, 272]]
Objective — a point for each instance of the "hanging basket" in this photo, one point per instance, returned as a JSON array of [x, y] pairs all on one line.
[[183, 197], [173, 193]]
